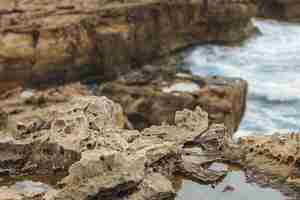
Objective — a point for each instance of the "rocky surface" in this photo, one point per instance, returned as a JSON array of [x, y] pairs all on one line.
[[279, 9], [276, 154], [152, 95], [83, 139], [104, 161], [57, 41], [149, 96], [40, 142], [270, 161]]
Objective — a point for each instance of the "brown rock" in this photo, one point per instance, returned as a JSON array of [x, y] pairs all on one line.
[[58, 41], [157, 100], [205, 149], [276, 154], [85, 138]]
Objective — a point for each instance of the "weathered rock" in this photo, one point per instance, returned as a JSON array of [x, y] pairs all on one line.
[[154, 186], [20, 103], [104, 161], [276, 154], [204, 150], [84, 136], [279, 9], [106, 171], [101, 174], [73, 127], [152, 102], [269, 161], [57, 41], [194, 167]]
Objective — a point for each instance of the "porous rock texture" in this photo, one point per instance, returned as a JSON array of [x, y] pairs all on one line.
[[83, 138], [279, 9], [61, 40], [277, 154], [104, 161], [270, 161]]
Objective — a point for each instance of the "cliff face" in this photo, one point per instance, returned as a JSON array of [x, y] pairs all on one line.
[[51, 40]]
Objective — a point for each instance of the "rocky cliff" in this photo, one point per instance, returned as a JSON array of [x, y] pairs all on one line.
[[57, 41]]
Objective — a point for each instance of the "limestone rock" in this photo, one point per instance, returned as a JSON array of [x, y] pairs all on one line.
[[148, 104], [154, 186], [136, 172], [58, 41], [100, 160], [73, 127], [205, 149], [276, 154], [193, 120], [25, 106], [101, 174], [78, 126]]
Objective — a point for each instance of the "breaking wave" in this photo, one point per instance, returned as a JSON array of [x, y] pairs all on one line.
[[270, 62]]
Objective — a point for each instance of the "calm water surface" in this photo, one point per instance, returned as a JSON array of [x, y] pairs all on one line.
[[270, 62], [239, 190]]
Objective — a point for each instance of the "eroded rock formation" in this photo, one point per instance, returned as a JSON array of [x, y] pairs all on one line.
[[149, 96], [152, 95], [85, 138], [277, 154], [57, 41]]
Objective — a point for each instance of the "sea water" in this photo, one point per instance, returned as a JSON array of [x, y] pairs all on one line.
[[270, 62]]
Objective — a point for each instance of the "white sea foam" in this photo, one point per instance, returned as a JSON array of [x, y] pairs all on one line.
[[271, 64], [182, 87]]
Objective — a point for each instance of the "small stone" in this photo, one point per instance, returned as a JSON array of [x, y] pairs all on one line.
[[228, 188]]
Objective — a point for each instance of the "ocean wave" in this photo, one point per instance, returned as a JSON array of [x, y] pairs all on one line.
[[275, 94], [271, 64]]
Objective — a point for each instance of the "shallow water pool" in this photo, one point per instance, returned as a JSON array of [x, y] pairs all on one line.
[[233, 187]]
